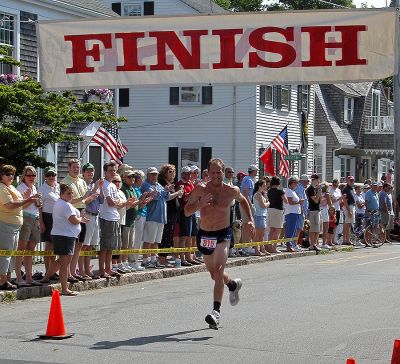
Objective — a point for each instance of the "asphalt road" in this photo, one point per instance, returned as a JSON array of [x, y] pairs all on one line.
[[318, 309]]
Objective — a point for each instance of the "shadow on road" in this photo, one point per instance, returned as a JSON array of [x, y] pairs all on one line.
[[137, 341]]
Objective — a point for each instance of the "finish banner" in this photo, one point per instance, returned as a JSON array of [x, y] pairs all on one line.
[[327, 46]]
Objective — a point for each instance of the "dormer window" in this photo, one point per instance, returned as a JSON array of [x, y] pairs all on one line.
[[348, 110]]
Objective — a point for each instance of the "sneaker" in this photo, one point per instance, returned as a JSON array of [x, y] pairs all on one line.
[[325, 246], [234, 295], [128, 267], [139, 268], [359, 244], [150, 265], [122, 269], [213, 319], [158, 265]]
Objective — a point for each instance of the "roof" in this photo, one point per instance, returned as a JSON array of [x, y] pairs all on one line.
[[88, 5], [342, 134], [205, 6], [354, 89]]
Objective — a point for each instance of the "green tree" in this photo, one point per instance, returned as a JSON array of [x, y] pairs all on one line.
[[309, 4], [31, 118], [241, 5]]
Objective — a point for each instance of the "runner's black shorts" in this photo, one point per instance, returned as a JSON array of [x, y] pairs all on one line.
[[223, 235]]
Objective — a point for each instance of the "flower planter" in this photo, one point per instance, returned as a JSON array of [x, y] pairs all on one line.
[[98, 99]]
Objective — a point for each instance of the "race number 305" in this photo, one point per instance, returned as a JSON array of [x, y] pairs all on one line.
[[210, 243]]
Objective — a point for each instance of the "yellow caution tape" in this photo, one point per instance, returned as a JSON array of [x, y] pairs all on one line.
[[92, 253]]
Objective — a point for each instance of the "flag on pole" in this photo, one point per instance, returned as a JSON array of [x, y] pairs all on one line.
[[268, 159], [281, 145], [108, 138]]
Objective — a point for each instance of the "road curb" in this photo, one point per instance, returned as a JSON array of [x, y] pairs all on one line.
[[138, 277]]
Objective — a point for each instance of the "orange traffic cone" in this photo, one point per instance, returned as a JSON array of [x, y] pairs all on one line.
[[396, 352], [55, 324], [351, 361]]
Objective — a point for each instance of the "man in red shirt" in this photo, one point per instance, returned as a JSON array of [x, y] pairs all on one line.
[[185, 222]]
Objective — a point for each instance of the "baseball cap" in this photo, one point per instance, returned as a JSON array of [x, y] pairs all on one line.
[[50, 169], [374, 184], [304, 177], [87, 166], [366, 186], [152, 170], [241, 174], [194, 168], [380, 184], [252, 168], [351, 178], [186, 169], [314, 176], [128, 172]]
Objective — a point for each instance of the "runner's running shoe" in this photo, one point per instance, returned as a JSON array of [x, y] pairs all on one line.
[[213, 319], [234, 295]]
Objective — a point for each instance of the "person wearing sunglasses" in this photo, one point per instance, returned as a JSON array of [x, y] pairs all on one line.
[[50, 191], [11, 204], [29, 236]]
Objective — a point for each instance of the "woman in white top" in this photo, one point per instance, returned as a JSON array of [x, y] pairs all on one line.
[[66, 228], [29, 235], [336, 198], [292, 214], [117, 265], [260, 216], [50, 191], [360, 207], [324, 205]]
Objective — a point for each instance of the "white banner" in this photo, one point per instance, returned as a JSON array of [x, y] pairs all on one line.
[[243, 48]]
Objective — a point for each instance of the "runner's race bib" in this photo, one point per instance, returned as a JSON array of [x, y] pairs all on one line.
[[208, 242]]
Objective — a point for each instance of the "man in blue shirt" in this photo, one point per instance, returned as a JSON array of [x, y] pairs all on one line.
[[156, 213], [300, 190], [372, 199], [246, 189]]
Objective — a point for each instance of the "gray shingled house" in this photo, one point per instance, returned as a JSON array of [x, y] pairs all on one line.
[[354, 131]]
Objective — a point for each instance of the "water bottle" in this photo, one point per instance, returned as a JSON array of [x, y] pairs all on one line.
[[178, 263]]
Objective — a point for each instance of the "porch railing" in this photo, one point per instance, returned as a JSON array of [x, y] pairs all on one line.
[[379, 124]]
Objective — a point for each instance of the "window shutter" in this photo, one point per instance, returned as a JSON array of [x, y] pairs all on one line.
[[173, 159], [116, 8], [289, 97], [262, 95], [206, 155], [206, 95], [148, 8], [299, 98], [278, 97], [261, 169], [123, 97], [174, 95]]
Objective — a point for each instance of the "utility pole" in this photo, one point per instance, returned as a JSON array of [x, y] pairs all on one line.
[[396, 99]]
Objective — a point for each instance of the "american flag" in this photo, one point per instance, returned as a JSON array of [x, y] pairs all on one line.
[[281, 145], [108, 138]]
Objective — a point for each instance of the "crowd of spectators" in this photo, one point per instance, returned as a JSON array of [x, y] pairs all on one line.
[[130, 209]]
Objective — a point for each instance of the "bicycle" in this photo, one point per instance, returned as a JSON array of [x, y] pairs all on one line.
[[374, 234]]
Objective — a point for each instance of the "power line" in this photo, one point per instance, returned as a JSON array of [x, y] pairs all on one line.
[[188, 117], [333, 4]]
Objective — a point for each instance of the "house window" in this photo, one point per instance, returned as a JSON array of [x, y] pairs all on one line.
[[345, 168], [376, 103], [303, 98], [285, 98], [267, 95], [319, 156], [189, 157], [7, 37], [348, 110], [366, 168], [190, 95], [133, 9]]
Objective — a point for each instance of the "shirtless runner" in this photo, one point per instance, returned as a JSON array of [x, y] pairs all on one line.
[[215, 237]]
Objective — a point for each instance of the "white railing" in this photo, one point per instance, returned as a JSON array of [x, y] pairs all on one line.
[[379, 124]]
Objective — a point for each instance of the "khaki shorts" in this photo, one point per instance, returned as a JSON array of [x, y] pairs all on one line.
[[387, 220], [275, 218], [315, 220], [30, 230], [350, 219]]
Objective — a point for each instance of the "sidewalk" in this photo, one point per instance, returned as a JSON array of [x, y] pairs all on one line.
[[147, 275]]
